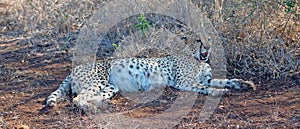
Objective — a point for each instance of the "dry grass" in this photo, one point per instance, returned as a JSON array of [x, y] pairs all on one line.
[[260, 38], [45, 22]]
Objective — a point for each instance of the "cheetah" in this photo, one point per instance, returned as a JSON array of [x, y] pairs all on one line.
[[97, 82]]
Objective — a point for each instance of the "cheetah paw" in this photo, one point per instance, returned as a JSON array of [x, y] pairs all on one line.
[[240, 83], [85, 106]]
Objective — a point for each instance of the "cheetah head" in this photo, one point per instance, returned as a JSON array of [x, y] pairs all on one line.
[[202, 53]]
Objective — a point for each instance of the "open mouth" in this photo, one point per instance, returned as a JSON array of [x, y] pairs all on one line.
[[204, 55]]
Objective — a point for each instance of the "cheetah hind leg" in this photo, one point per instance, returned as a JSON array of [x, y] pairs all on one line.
[[100, 100], [107, 93]]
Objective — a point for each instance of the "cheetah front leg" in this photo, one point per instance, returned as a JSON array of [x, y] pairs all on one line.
[[231, 83], [227, 83], [201, 88], [214, 87], [238, 84]]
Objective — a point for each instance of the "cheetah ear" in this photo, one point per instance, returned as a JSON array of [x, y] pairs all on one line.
[[202, 53]]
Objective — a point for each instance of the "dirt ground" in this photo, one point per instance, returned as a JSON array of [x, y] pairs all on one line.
[[28, 78]]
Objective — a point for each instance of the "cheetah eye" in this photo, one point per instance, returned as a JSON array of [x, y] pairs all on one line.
[[199, 41]]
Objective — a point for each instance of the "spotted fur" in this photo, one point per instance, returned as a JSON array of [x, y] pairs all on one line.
[[96, 82]]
